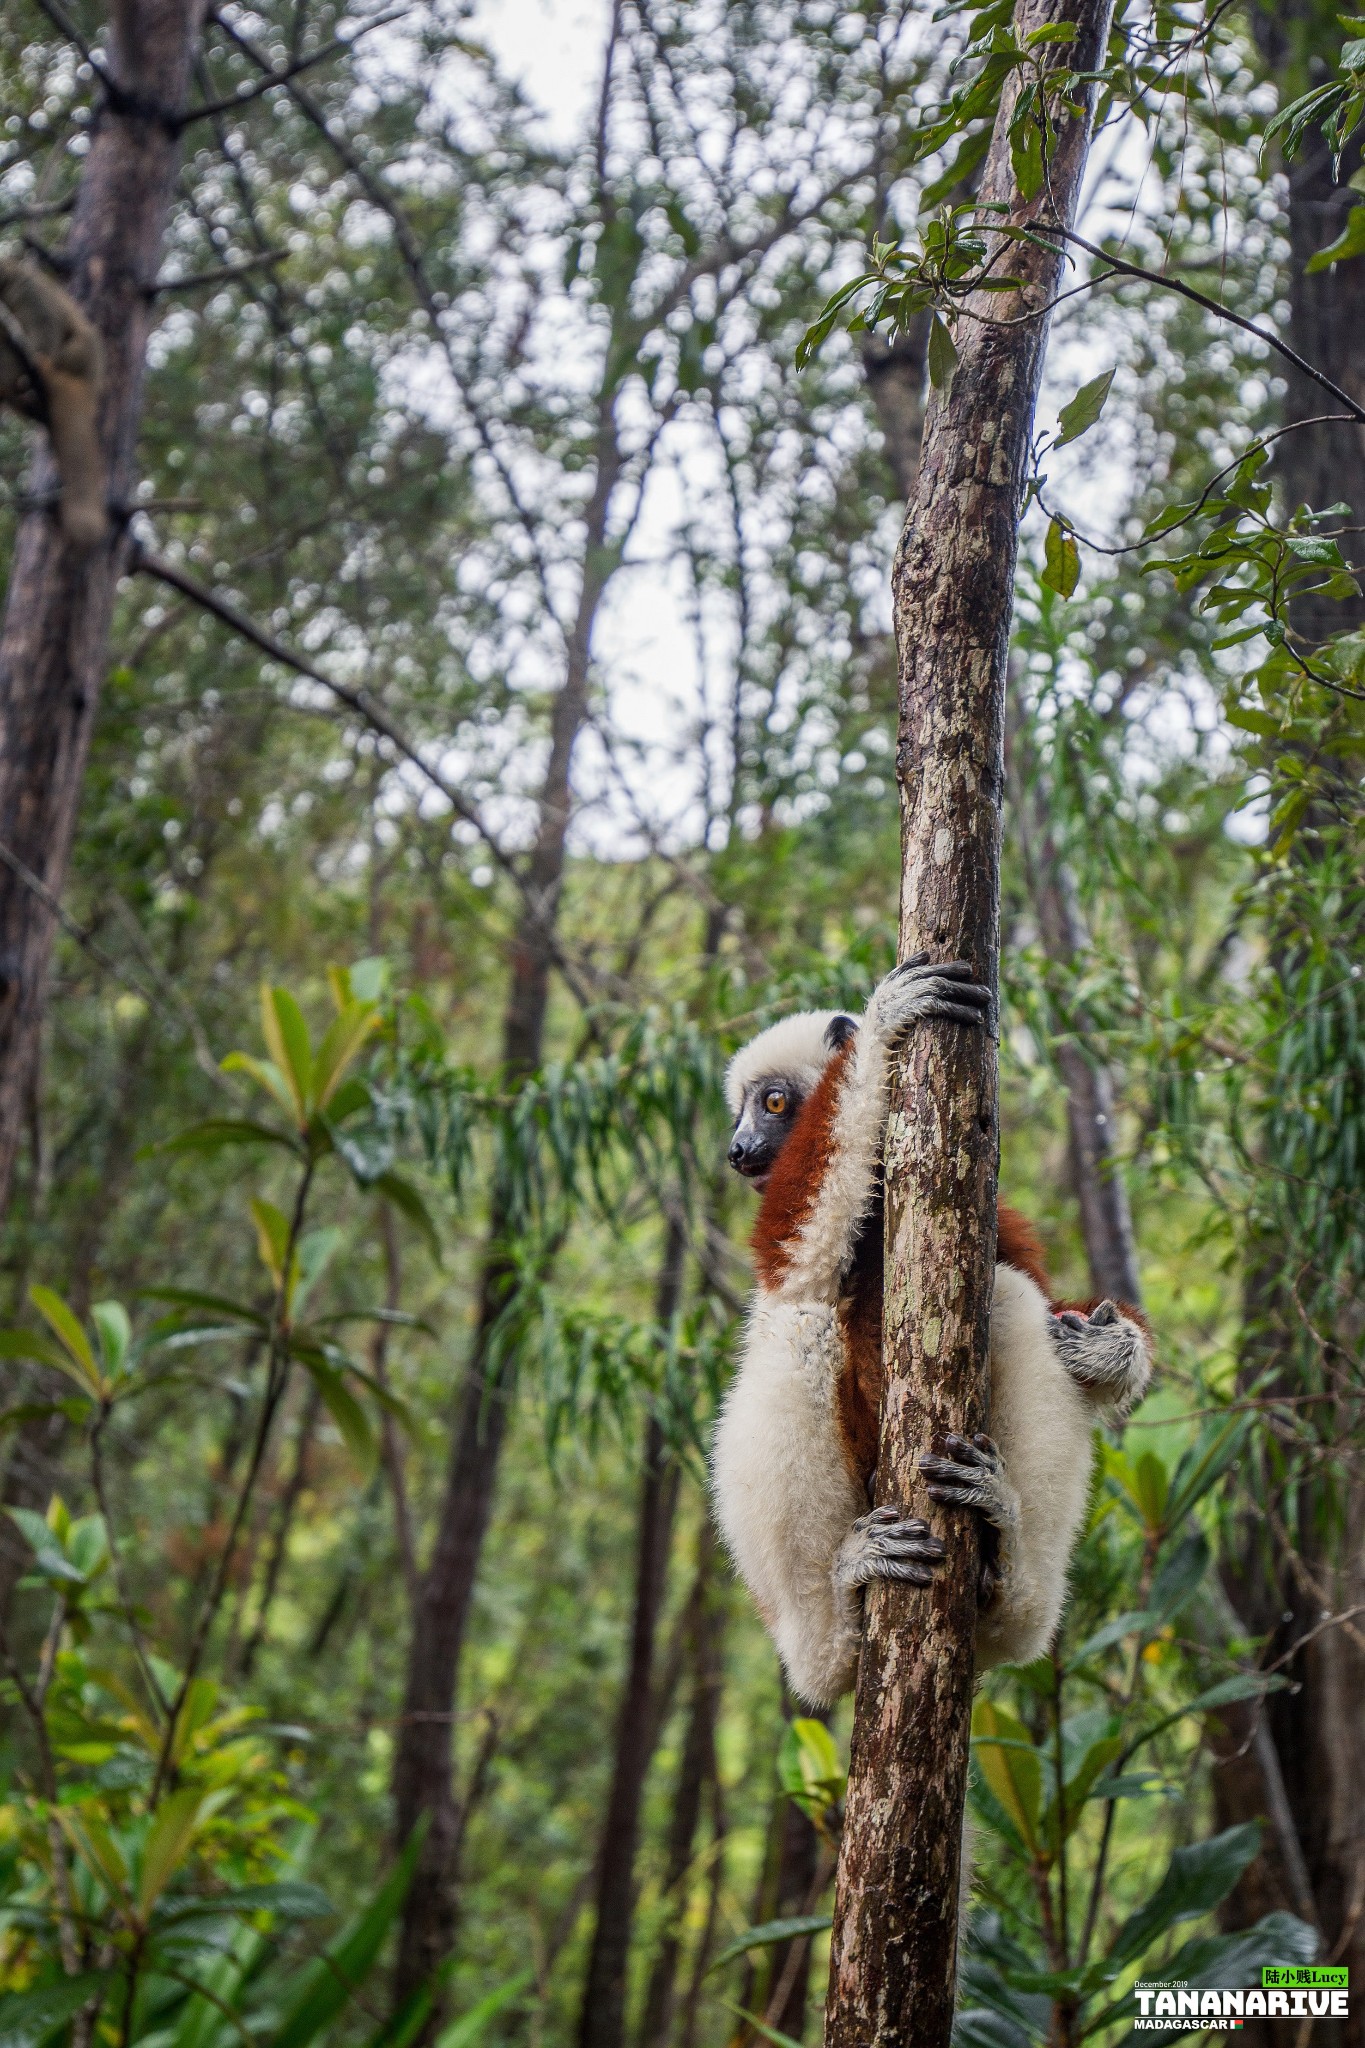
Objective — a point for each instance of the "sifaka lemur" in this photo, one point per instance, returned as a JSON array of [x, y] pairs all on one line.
[[50, 370], [796, 1444]]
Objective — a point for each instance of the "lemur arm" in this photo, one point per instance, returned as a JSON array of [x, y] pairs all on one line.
[[847, 1186]]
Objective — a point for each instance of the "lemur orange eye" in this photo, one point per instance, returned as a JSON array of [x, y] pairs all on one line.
[[775, 1102]]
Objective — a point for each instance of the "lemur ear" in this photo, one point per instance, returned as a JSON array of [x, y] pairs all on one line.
[[838, 1032]]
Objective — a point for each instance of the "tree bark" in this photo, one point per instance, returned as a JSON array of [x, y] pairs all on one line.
[[1315, 1730], [602, 2019], [1091, 1112], [423, 1780], [893, 1961], [55, 635]]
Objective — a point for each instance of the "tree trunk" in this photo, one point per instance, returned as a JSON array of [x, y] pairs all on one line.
[[54, 639], [1091, 1114], [893, 1962], [423, 1781], [696, 1768], [602, 2020], [1316, 1729]]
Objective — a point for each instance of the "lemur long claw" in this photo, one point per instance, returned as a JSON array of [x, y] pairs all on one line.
[[918, 989], [972, 1476], [883, 1546]]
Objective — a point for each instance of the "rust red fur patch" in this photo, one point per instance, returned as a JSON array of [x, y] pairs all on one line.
[[796, 1176]]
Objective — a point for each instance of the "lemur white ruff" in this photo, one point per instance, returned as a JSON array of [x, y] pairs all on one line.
[[796, 1445]]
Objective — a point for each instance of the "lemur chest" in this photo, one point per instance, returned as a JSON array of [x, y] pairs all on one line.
[[858, 1392]]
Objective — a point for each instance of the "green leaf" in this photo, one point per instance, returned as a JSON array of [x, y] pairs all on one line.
[[342, 1042], [771, 1931], [52, 1561], [218, 1131], [286, 1040], [942, 357], [272, 1237], [472, 2025], [1026, 153], [289, 1899], [30, 2019], [116, 1334], [326, 1987], [1011, 1765], [1197, 1879], [342, 1406], [808, 1767], [19, 1344], [1079, 415], [405, 1198], [1061, 560], [266, 1075], [69, 1335], [168, 1843]]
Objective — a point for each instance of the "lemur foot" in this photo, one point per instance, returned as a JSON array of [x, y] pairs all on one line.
[[973, 1476], [916, 989], [1106, 1353], [882, 1546]]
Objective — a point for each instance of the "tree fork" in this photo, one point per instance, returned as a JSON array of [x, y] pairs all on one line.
[[894, 1957]]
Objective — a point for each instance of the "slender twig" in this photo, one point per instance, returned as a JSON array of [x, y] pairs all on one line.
[[222, 273], [230, 102]]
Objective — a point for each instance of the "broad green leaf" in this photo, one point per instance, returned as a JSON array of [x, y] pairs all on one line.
[[19, 1344], [1151, 1488], [316, 1250], [326, 1987], [1179, 1577], [344, 1409], [216, 1304], [368, 979], [96, 1848], [1061, 560], [770, 1932], [219, 1131], [30, 2019], [116, 1334], [405, 1198], [266, 1075], [808, 1767], [289, 1899], [52, 1561], [343, 1040], [474, 2024], [1197, 1879], [68, 1333], [942, 356], [272, 1237], [1026, 153], [286, 1040], [168, 1843], [1136, 1622], [1080, 413], [1011, 1765], [1350, 242]]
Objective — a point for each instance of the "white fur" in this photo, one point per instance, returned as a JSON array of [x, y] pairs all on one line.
[[794, 1049], [785, 1497]]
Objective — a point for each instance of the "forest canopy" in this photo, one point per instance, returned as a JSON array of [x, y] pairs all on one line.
[[447, 708]]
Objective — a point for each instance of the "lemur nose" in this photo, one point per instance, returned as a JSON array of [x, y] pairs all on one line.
[[738, 1152]]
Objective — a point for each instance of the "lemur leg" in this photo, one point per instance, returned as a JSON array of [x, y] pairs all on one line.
[[882, 1546], [1106, 1353]]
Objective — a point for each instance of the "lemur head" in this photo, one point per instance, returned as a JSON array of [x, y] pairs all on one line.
[[768, 1080]]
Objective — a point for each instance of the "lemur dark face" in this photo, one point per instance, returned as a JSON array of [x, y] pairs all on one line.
[[763, 1127]]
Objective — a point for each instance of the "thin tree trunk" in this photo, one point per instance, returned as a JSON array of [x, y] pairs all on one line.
[[1314, 1732], [894, 1955], [1091, 1112], [55, 634], [423, 1781], [696, 1768], [284, 1519], [602, 2018]]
